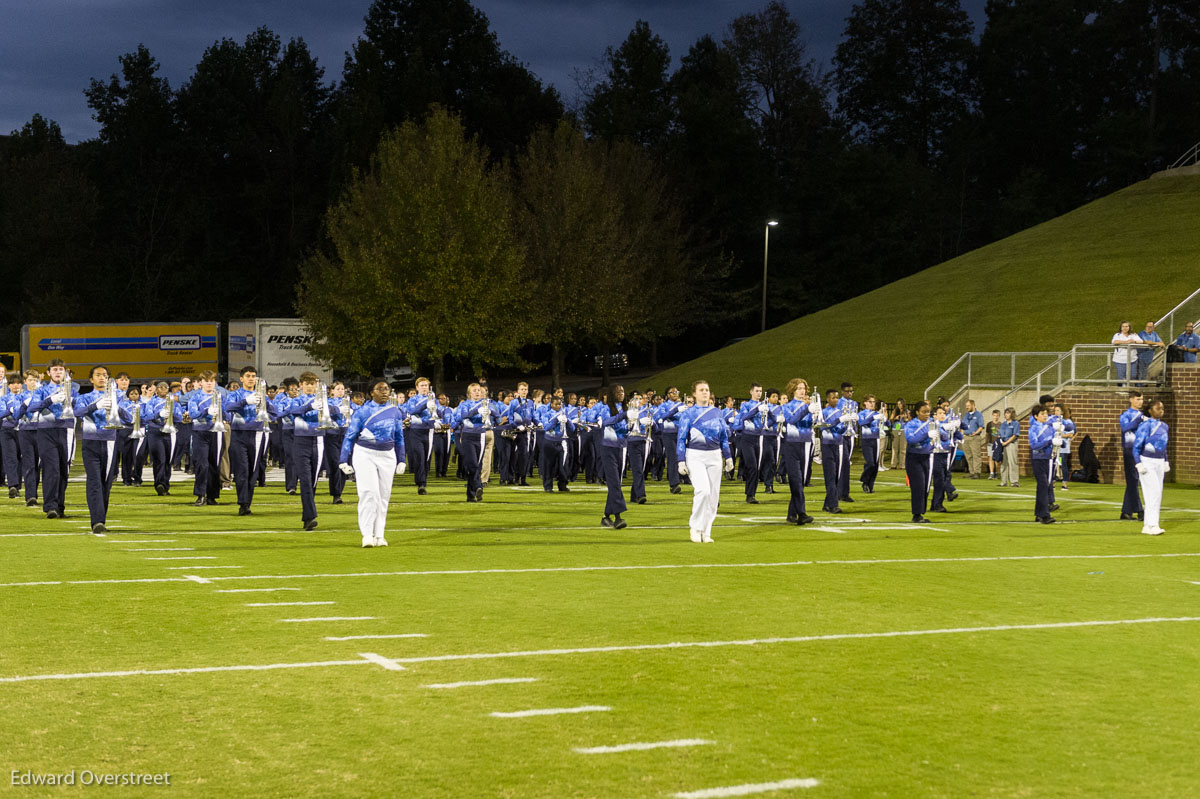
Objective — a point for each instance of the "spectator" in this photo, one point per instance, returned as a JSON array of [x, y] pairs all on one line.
[[885, 435], [1123, 356], [1064, 452], [897, 418], [972, 429], [1010, 431], [993, 444], [1189, 342], [1144, 357]]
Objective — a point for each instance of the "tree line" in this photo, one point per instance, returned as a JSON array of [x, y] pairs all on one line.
[[441, 191]]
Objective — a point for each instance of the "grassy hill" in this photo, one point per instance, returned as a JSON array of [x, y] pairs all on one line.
[[1131, 255]]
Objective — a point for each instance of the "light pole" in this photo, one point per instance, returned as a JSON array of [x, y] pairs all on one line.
[[766, 241]]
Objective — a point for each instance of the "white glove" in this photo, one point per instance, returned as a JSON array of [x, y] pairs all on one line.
[[880, 417], [1142, 468], [846, 418], [954, 424], [729, 464], [318, 406], [162, 414], [400, 467], [631, 415], [437, 425], [212, 408], [347, 469], [562, 418], [1058, 427], [104, 403], [683, 468], [1056, 441], [934, 433], [431, 405], [779, 418], [58, 397], [251, 399], [1166, 466], [520, 428], [814, 408]]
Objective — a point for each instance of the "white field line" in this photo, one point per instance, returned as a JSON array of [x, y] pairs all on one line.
[[201, 670], [251, 590], [187, 557], [387, 663], [654, 567], [641, 747], [472, 683], [142, 541], [195, 579], [747, 790], [792, 639], [365, 637], [163, 549], [550, 711], [284, 604], [38, 535], [332, 618]]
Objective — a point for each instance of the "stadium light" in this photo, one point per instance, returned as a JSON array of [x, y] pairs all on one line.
[[766, 241]]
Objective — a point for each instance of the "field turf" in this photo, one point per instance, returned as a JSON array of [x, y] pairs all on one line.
[[981, 655]]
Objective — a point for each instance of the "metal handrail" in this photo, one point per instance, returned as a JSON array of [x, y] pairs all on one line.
[[1010, 356], [1192, 154], [1169, 316]]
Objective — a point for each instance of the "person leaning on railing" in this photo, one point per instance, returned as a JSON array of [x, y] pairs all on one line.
[[1123, 356], [1146, 356], [1189, 342]]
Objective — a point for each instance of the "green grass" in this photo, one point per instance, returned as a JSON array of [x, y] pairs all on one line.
[[1132, 255], [1074, 712]]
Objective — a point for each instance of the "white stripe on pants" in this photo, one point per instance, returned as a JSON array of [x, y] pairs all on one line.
[[1152, 489], [373, 471], [704, 467]]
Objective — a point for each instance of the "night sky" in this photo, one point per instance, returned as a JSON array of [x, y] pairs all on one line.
[[50, 49]]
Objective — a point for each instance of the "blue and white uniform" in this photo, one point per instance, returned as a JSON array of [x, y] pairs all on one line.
[[206, 446], [308, 450], [918, 462], [247, 441], [614, 430], [554, 455], [833, 441], [55, 442], [796, 450], [702, 442], [666, 416], [375, 439], [418, 438], [161, 446], [99, 449], [868, 425], [27, 435], [849, 407], [1150, 454], [10, 443], [1131, 419], [470, 425], [753, 425], [638, 449], [1041, 446]]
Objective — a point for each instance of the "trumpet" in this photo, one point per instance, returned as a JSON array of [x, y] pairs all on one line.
[[485, 413], [819, 422], [324, 417], [113, 413], [68, 410], [260, 391], [168, 427], [345, 406], [218, 418], [137, 431]]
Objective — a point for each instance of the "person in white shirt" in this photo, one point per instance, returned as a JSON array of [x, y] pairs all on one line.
[[1124, 358]]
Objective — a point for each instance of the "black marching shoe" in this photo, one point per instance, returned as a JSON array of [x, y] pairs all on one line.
[[939, 510], [952, 496], [1054, 507], [846, 499], [210, 502], [677, 490], [337, 501], [805, 519], [1047, 520], [243, 510], [640, 500], [920, 520], [51, 514], [619, 523], [31, 503], [751, 501], [564, 490], [199, 503], [606, 522], [311, 524], [12, 492], [161, 490], [834, 510], [292, 491], [479, 495], [99, 529], [421, 491], [793, 519], [1127, 517]]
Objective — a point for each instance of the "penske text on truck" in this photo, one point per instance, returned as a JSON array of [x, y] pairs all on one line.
[[275, 348], [146, 350]]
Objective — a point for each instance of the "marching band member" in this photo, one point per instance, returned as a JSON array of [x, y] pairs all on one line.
[[796, 417], [472, 419], [183, 441], [334, 440], [423, 420], [137, 444], [160, 445], [55, 437], [1131, 420], [520, 414], [287, 425], [752, 433], [441, 438], [204, 408], [10, 416], [1150, 460], [701, 446], [555, 450], [247, 436], [940, 460], [847, 405], [27, 433], [308, 443], [1066, 432], [506, 442], [770, 443], [100, 444], [613, 431], [869, 420], [375, 438], [639, 420], [1042, 439], [833, 441], [1055, 421], [920, 433], [667, 417]]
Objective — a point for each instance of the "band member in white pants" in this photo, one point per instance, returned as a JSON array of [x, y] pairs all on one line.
[[702, 443], [375, 436], [1150, 460]]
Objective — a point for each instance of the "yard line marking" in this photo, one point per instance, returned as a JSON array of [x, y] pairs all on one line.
[[205, 567], [470, 683], [196, 579], [36, 535], [284, 604], [640, 747], [387, 663], [143, 541], [250, 590], [549, 711], [788, 640], [333, 618], [748, 789], [163, 549], [201, 670], [364, 637], [187, 557]]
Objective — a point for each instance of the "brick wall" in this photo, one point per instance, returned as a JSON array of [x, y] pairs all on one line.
[[1095, 412]]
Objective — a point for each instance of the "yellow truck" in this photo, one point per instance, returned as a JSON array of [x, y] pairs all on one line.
[[146, 350]]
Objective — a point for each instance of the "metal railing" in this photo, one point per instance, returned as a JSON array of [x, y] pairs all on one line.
[[1176, 319], [974, 372], [1192, 156]]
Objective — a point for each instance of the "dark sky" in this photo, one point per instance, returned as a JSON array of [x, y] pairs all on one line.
[[50, 49]]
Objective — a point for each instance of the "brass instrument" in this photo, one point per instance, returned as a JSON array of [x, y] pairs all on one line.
[[218, 423], [137, 431], [324, 416], [113, 414], [819, 422], [68, 409], [345, 405], [168, 427], [485, 413], [260, 391]]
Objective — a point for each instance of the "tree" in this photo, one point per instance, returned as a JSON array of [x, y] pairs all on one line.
[[422, 259], [633, 101]]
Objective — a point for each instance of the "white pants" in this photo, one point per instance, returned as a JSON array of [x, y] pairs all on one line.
[[373, 473], [1152, 489], [704, 467]]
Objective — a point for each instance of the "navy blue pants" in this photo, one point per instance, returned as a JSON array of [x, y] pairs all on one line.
[[751, 449], [612, 466], [941, 478], [10, 441], [470, 458], [100, 468], [419, 446], [636, 453], [206, 463], [796, 461], [307, 453], [30, 462], [243, 462], [333, 452], [552, 463], [831, 463], [52, 445], [159, 446], [844, 471], [504, 447], [1041, 474], [870, 470], [916, 466], [1132, 503], [669, 441], [289, 461], [523, 455]]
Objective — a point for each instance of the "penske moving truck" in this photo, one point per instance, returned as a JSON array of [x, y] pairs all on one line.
[[146, 350], [275, 348]]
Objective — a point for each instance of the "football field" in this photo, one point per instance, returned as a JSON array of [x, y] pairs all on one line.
[[515, 648]]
